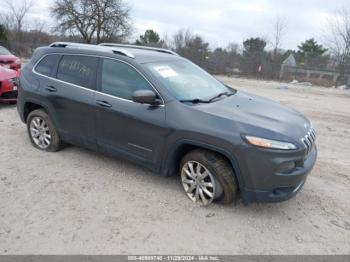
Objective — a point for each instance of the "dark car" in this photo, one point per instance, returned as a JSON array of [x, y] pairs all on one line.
[[9, 60], [155, 108]]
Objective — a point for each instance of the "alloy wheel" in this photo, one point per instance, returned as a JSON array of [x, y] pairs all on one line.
[[199, 184], [40, 132]]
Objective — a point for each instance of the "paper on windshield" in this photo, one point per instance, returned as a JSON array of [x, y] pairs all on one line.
[[165, 71]]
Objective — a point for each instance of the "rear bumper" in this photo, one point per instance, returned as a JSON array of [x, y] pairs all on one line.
[[283, 185]]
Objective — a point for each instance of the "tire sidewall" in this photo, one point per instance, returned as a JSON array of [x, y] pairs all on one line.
[[210, 161], [55, 139]]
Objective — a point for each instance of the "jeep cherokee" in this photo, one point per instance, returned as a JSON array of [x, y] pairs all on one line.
[[155, 108]]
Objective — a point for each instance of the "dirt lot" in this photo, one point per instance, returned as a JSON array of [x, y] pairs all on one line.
[[80, 202]]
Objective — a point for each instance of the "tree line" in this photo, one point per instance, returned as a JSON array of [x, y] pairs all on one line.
[[96, 21]]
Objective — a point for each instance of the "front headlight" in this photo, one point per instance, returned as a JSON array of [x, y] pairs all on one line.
[[18, 61], [271, 144]]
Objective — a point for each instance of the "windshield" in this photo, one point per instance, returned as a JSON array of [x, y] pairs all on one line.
[[4, 51], [187, 81]]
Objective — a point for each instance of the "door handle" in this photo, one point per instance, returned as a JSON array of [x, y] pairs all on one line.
[[51, 89], [103, 104]]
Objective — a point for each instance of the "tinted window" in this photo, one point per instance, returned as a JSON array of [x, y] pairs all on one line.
[[47, 65], [121, 80], [78, 70]]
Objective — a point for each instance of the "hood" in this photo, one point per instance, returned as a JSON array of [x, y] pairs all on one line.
[[6, 74], [11, 58], [259, 116]]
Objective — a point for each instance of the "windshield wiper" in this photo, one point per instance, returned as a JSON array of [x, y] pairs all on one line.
[[199, 101], [220, 95], [195, 101]]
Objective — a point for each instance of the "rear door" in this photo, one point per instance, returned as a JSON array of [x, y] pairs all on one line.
[[123, 126], [70, 95]]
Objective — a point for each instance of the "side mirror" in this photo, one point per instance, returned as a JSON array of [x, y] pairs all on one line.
[[145, 97]]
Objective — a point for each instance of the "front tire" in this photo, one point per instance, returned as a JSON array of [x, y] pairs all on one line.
[[42, 133], [208, 177]]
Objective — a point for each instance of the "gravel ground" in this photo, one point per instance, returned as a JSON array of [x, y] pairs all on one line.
[[80, 202]]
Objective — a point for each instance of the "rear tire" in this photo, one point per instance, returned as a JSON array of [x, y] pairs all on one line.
[[218, 185], [42, 133]]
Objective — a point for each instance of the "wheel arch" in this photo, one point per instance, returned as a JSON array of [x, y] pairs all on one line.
[[31, 105], [183, 147]]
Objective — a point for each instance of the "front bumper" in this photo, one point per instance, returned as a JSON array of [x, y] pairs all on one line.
[[9, 96], [274, 185], [8, 91]]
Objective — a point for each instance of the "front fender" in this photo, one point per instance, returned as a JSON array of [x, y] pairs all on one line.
[[169, 165]]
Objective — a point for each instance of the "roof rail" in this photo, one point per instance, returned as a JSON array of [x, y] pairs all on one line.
[[156, 49], [115, 50]]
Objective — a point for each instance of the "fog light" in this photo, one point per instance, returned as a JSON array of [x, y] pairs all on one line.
[[287, 167]]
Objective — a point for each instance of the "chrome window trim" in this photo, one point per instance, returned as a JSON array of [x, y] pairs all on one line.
[[95, 91]]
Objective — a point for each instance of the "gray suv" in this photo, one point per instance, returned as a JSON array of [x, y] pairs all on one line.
[[157, 109]]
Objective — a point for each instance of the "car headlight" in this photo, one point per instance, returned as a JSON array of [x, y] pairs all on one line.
[[12, 80], [268, 143], [18, 61]]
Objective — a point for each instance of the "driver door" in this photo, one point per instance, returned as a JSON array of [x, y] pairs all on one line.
[[123, 126]]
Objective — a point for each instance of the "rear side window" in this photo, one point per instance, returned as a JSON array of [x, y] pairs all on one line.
[[78, 70], [121, 80], [48, 65]]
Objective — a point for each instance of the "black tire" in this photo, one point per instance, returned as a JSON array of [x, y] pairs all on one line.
[[56, 142], [220, 168]]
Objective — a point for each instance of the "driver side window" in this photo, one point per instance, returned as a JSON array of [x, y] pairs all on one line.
[[121, 80]]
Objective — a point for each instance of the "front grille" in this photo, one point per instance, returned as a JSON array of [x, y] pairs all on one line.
[[309, 140]]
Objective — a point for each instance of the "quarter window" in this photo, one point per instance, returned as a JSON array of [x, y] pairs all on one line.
[[47, 65], [78, 70], [121, 80]]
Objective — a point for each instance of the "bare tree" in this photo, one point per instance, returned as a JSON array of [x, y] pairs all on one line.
[[165, 42], [338, 40], [99, 19], [279, 32], [233, 48], [6, 21], [38, 25], [14, 20], [18, 12], [112, 19], [182, 39], [274, 58], [193, 47]]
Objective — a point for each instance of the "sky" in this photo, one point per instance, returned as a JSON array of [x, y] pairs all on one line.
[[221, 22]]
